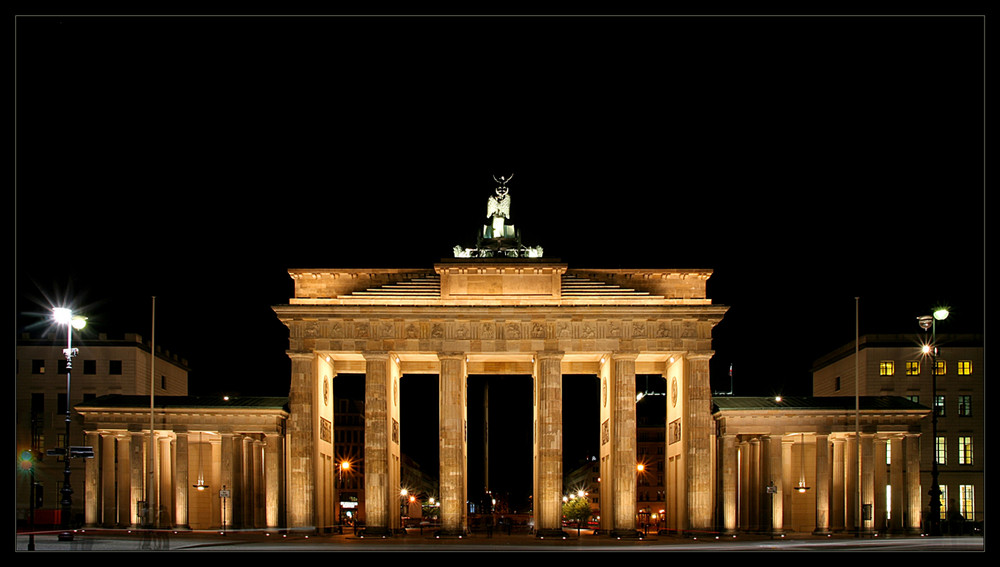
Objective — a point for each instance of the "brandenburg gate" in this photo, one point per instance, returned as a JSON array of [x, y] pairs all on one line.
[[499, 308]]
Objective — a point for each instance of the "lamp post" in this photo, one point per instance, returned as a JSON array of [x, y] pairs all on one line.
[[64, 316], [930, 322]]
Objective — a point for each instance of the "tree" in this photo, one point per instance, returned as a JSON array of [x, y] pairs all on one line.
[[577, 510]]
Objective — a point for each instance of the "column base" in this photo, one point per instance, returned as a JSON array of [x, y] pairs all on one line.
[[450, 534], [822, 532]]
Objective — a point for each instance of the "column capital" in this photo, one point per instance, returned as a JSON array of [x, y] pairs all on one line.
[[700, 355], [375, 354], [454, 355], [625, 355], [549, 354], [300, 355]]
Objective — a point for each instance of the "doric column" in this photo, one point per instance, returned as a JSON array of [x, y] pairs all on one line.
[[137, 475], [165, 479], [301, 442], [272, 478], [896, 468], [912, 448], [787, 482], [880, 481], [698, 436], [381, 492], [104, 447], [775, 484], [548, 495], [452, 449], [181, 483], [124, 472], [258, 481], [729, 482], [822, 485], [623, 448], [867, 482], [227, 476], [744, 496], [838, 489], [755, 487], [851, 487]]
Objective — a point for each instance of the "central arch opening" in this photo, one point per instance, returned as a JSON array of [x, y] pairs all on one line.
[[500, 450]]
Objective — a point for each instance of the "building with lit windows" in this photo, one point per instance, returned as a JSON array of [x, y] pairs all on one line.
[[895, 365], [105, 365]]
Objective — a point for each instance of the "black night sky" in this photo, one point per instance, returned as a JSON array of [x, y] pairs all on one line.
[[806, 160]]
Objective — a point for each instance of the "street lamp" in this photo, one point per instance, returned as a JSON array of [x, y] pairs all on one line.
[[64, 316], [930, 322]]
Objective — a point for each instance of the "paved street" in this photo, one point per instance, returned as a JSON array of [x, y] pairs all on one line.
[[103, 540]]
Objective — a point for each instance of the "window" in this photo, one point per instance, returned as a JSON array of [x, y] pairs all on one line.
[[886, 368], [888, 453], [913, 368], [942, 368], [965, 450], [115, 367], [965, 405], [939, 405], [964, 367], [914, 398], [836, 383], [941, 450], [163, 382], [966, 502], [944, 501], [61, 405], [38, 367], [90, 367]]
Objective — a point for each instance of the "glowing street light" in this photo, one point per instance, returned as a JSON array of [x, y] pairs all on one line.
[[64, 316], [930, 322]]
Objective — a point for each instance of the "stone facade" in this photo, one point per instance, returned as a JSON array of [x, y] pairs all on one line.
[[505, 316]]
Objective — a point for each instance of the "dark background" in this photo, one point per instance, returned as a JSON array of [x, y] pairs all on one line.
[[806, 160]]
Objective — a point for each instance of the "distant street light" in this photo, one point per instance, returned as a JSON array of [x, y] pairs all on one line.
[[930, 322], [64, 316]]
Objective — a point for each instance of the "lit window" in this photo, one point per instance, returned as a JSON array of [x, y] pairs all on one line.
[[965, 405], [966, 502], [965, 450], [913, 368], [964, 367], [888, 502], [942, 368], [944, 500], [888, 453], [939, 405], [38, 367], [914, 398], [941, 450], [886, 368]]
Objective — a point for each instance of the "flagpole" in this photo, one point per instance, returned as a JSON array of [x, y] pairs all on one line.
[[152, 431]]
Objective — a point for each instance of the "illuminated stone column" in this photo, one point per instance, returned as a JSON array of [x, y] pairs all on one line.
[[698, 435], [165, 481], [302, 440], [775, 484], [729, 482], [181, 483], [549, 484], [913, 510], [381, 494], [272, 479], [867, 482], [787, 482], [100, 481], [754, 488], [822, 485], [452, 417], [744, 484], [623, 445], [880, 481], [227, 475], [137, 475], [896, 515], [851, 483], [838, 500], [124, 473]]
